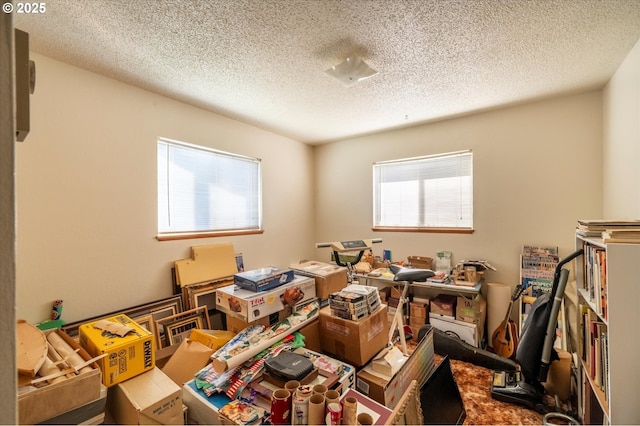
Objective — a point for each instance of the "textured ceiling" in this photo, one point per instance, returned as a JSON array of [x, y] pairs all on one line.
[[262, 61]]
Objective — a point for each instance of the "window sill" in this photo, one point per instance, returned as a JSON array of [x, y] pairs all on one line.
[[190, 235], [425, 230]]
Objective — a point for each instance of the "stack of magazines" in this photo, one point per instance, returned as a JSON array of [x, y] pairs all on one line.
[[611, 231]]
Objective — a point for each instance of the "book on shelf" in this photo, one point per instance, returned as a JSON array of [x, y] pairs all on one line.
[[595, 347], [595, 277]]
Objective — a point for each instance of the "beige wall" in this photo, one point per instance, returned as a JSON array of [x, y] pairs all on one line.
[[86, 186], [86, 193], [621, 141], [537, 169]]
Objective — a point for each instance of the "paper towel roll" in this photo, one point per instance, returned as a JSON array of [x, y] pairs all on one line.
[[498, 298]]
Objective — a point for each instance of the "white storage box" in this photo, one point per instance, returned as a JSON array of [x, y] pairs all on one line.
[[249, 305], [467, 332]]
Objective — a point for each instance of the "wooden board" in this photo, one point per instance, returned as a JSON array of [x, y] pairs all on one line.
[[208, 262], [31, 348]]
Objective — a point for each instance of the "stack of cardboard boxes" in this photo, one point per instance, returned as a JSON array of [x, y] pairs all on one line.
[[139, 392], [461, 316]]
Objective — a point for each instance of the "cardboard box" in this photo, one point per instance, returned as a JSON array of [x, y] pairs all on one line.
[[329, 277], [469, 333], [417, 322], [311, 333], [420, 262], [419, 310], [39, 404], [150, 398], [388, 361], [249, 306], [471, 310], [127, 356], [355, 342], [443, 304], [236, 325], [202, 410], [388, 390], [384, 293], [213, 339], [263, 279], [91, 413], [190, 357]]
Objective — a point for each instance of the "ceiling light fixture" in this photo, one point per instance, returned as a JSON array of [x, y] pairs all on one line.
[[351, 70]]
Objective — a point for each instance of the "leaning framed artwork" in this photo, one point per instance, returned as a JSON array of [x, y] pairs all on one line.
[[180, 330], [168, 328], [157, 309]]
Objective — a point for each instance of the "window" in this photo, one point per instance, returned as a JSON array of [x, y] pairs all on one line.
[[205, 191], [424, 193]]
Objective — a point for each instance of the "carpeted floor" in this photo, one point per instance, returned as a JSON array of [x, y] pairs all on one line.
[[474, 383]]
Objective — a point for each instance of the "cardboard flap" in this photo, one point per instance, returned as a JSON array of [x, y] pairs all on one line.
[[190, 357], [113, 327], [388, 361]]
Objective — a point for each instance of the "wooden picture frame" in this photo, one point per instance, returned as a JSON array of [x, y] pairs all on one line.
[[408, 410], [173, 302], [205, 298], [180, 330], [163, 325], [192, 292], [146, 322]]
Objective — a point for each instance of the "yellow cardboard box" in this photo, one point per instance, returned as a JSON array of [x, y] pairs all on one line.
[[127, 355]]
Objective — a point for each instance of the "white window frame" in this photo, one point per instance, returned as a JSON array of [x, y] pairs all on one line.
[[430, 193], [205, 192]]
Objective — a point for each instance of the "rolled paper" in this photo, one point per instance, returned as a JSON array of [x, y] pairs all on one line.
[[281, 407], [67, 352], [300, 404], [316, 409], [49, 368], [349, 411], [57, 359], [334, 413]]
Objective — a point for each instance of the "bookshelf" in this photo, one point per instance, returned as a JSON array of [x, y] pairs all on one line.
[[608, 288]]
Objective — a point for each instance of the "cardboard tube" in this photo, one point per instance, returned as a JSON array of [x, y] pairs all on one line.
[[57, 359], [332, 396], [349, 411], [67, 352], [498, 298], [281, 407], [316, 409], [49, 368]]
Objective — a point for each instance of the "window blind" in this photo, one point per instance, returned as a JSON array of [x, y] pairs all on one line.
[[424, 192], [205, 190]]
